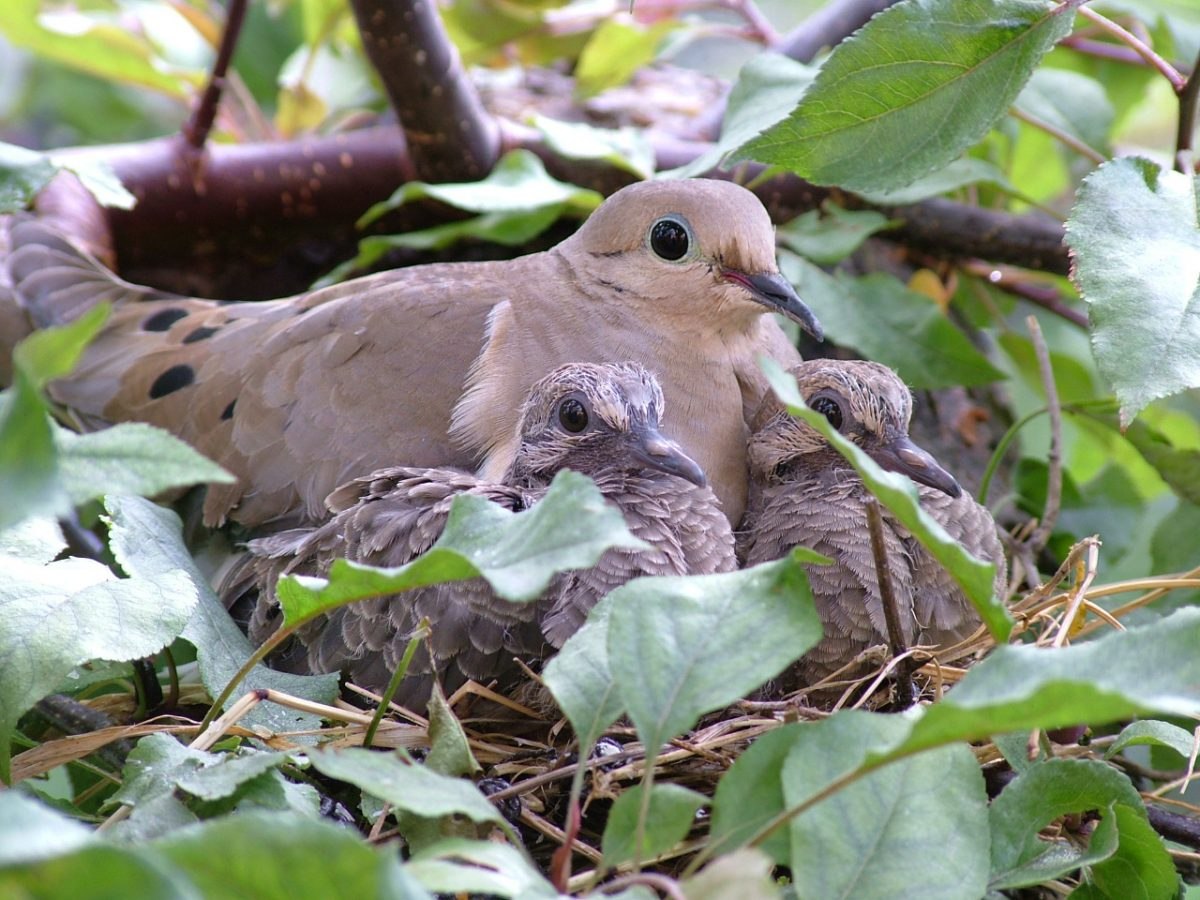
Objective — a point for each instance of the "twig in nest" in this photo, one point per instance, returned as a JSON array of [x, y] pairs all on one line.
[[1091, 551], [198, 126], [891, 613], [1041, 536]]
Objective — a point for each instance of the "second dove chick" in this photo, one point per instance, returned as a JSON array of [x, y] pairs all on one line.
[[600, 420], [804, 493]]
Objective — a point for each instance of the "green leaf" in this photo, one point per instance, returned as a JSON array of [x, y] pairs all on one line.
[[1072, 103], [877, 836], [159, 765], [54, 617], [746, 874], [28, 459], [901, 98], [280, 856], [884, 321], [750, 795], [449, 749], [72, 38], [99, 179], [679, 647], [31, 831], [35, 540], [623, 148], [615, 51], [570, 528], [22, 174], [95, 872], [1141, 671], [1041, 795], [580, 681], [465, 867], [519, 183], [406, 785], [1162, 734], [1141, 869], [221, 647], [899, 495], [51, 353], [961, 172], [831, 234], [671, 812], [767, 85], [1135, 241], [1179, 467], [130, 458]]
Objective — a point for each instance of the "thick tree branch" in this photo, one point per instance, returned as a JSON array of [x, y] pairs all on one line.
[[287, 210], [450, 135]]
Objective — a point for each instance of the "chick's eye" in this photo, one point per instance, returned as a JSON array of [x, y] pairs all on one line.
[[829, 409], [669, 239], [573, 416]]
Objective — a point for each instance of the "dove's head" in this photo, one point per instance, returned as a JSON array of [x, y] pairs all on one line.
[[866, 402], [695, 248], [595, 419]]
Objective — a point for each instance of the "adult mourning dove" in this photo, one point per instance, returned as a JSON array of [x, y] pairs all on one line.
[[804, 493], [600, 420], [429, 365]]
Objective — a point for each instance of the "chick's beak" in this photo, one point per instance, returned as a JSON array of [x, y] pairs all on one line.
[[650, 447], [903, 456], [774, 291]]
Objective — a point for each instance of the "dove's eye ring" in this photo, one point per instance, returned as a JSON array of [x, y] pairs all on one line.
[[829, 408], [572, 415], [671, 238]]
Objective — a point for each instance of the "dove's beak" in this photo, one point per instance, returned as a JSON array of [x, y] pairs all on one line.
[[651, 448], [774, 291], [902, 455]]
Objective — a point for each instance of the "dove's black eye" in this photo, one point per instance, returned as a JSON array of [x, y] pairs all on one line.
[[572, 415], [828, 407], [670, 238]]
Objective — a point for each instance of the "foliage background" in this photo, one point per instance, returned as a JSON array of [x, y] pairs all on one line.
[[1016, 109]]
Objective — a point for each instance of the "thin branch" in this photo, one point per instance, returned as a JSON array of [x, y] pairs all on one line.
[[1019, 284], [891, 610], [1139, 46], [265, 219], [1189, 100], [1104, 50], [669, 887], [1059, 135], [197, 128], [450, 136], [1045, 528]]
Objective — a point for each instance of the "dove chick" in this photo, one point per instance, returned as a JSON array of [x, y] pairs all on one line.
[[804, 493], [599, 420], [298, 395]]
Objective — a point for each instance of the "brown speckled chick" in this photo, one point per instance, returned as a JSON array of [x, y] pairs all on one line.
[[600, 420], [804, 493]]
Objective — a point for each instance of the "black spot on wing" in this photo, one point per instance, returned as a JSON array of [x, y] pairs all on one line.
[[172, 380], [164, 319], [199, 334], [227, 412]]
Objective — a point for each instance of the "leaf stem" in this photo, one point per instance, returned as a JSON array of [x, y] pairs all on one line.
[[393, 684], [891, 610], [1058, 134], [1144, 50]]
